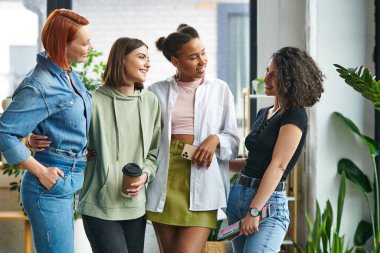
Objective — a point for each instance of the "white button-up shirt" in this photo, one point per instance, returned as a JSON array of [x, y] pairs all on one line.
[[214, 113]]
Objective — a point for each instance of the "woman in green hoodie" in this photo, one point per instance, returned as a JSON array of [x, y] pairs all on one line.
[[125, 128]]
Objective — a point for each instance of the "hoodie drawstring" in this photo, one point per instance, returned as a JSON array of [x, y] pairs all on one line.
[[139, 102], [116, 126]]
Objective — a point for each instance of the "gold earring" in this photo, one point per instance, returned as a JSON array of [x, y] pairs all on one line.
[[177, 75]]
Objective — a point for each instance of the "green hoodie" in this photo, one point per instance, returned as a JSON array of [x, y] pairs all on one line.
[[123, 129]]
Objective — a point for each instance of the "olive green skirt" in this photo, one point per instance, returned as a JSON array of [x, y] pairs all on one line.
[[176, 210]]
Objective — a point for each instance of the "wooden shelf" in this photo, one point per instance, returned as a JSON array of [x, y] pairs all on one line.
[[13, 215], [19, 215]]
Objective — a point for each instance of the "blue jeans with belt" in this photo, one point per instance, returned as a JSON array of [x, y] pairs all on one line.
[[271, 231], [51, 211]]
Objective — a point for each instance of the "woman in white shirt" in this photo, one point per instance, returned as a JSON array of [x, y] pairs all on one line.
[[185, 196]]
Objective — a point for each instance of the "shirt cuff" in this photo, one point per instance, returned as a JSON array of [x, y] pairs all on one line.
[[17, 154], [222, 144], [148, 172]]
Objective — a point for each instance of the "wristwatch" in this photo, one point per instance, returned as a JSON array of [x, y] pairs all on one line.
[[254, 212]]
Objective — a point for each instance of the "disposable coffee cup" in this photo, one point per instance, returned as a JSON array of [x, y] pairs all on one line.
[[131, 174]]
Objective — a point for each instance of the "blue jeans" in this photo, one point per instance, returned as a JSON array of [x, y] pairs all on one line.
[[51, 211], [271, 231]]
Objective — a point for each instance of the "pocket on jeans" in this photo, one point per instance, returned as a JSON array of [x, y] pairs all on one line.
[[282, 214], [56, 188]]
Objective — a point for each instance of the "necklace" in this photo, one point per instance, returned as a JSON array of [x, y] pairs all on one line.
[[187, 90]]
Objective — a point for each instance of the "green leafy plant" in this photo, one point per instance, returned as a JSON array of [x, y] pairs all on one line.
[[364, 230], [362, 81], [91, 71], [15, 171], [323, 237]]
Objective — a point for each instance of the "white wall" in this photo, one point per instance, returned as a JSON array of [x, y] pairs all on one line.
[[148, 20], [24, 21], [344, 35], [280, 23]]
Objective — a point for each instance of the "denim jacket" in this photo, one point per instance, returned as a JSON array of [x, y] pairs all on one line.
[[46, 104]]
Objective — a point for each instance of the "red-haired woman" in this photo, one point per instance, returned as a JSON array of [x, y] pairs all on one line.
[[51, 101]]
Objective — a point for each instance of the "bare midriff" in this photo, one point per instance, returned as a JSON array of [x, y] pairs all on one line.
[[188, 138]]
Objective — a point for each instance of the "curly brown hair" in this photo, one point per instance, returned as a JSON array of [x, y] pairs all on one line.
[[300, 81]]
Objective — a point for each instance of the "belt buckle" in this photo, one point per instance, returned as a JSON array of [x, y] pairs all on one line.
[[244, 181]]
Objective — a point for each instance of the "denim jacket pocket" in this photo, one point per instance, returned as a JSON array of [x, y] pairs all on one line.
[[71, 109]]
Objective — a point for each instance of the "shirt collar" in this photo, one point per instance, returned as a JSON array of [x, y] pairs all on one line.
[[42, 58]]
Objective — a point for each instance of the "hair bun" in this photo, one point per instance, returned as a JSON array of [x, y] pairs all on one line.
[[179, 28], [160, 43]]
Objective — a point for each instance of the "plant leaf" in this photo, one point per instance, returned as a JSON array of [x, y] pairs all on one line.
[[360, 79], [361, 250], [341, 196], [354, 174], [298, 247], [373, 146], [363, 233]]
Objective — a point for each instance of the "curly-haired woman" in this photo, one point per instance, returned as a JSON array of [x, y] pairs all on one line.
[[274, 144]]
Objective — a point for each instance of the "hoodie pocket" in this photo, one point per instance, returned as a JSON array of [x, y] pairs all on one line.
[[110, 196]]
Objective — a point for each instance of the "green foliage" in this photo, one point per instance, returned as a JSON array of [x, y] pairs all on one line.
[[91, 71], [365, 230], [354, 174], [13, 170], [362, 81], [373, 146], [322, 236]]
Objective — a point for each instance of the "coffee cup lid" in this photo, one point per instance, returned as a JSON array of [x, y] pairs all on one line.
[[132, 170]]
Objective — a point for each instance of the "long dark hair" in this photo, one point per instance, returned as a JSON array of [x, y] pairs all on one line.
[[172, 44], [300, 81], [114, 75]]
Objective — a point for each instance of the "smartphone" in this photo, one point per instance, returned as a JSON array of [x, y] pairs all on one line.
[[188, 151], [233, 231]]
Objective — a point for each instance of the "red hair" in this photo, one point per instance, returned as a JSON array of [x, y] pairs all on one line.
[[59, 30]]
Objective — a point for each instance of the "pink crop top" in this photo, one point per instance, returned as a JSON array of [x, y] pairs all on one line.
[[183, 110]]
